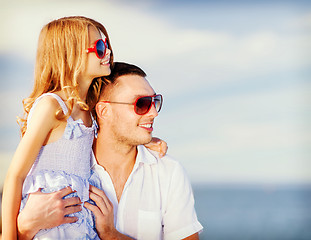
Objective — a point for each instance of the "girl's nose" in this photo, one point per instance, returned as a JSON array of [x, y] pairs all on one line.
[[108, 51]]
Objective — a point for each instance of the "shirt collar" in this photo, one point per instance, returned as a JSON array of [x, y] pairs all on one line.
[[144, 155]]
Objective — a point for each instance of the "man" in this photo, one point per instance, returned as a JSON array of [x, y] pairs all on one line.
[[148, 197]]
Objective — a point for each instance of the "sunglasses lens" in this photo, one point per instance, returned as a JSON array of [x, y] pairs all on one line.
[[143, 105], [100, 48], [158, 102], [106, 44]]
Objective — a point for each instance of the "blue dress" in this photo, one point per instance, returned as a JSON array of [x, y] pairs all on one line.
[[63, 163]]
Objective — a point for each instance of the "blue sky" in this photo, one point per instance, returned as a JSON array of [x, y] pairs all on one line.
[[235, 76]]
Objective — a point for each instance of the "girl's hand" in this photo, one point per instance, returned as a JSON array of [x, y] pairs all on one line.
[[158, 145], [46, 210]]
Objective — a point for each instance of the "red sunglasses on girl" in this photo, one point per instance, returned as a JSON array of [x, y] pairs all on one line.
[[100, 48]]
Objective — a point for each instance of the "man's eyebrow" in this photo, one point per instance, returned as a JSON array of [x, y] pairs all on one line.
[[143, 95]]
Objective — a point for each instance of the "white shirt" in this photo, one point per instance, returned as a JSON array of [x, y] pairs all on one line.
[[157, 201]]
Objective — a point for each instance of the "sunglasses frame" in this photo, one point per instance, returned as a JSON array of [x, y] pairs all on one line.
[[137, 99], [94, 49]]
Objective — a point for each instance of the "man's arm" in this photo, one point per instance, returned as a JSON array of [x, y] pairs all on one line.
[[104, 218], [46, 210], [180, 220]]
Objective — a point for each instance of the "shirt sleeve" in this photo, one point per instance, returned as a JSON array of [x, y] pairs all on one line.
[[180, 219]]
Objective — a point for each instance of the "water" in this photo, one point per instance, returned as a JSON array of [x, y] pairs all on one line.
[[254, 213]]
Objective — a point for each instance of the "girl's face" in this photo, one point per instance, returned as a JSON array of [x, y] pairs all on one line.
[[96, 67]]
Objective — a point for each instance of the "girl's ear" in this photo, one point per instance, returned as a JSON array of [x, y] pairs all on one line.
[[101, 109]]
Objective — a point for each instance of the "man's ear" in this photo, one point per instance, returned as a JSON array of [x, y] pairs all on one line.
[[101, 109]]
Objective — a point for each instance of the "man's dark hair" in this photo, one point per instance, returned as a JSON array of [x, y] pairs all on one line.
[[120, 69], [117, 70]]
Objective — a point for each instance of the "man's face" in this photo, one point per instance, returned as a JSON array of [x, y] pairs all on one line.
[[125, 125]]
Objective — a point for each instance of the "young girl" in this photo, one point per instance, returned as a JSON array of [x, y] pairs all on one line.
[[58, 130]]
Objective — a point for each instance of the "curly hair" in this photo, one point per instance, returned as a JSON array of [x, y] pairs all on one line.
[[61, 57]]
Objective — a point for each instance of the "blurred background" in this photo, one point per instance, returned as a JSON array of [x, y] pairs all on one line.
[[235, 76]]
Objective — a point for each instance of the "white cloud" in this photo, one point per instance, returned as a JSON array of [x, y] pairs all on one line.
[[21, 21], [255, 136], [204, 58], [143, 37], [301, 22], [240, 136]]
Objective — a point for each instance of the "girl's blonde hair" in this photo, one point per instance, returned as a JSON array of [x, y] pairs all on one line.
[[61, 57]]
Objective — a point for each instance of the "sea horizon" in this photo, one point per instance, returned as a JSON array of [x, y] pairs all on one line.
[[254, 211]]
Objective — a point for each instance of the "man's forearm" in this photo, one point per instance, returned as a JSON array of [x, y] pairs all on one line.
[[114, 235]]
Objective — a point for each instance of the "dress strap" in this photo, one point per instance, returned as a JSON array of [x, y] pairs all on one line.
[[94, 125], [58, 98]]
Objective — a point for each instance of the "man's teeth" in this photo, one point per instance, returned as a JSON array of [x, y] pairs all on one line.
[[146, 125]]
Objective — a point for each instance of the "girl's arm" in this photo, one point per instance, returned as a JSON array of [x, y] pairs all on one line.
[[46, 210], [158, 145], [42, 122]]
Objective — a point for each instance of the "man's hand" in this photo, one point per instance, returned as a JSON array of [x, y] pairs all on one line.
[[104, 218], [46, 210], [158, 145]]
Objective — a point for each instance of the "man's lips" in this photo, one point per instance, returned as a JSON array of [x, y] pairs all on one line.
[[147, 126]]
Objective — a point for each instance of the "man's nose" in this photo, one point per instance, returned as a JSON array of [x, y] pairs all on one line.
[[153, 111]]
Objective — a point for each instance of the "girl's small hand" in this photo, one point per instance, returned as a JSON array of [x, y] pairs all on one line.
[[158, 145], [46, 210]]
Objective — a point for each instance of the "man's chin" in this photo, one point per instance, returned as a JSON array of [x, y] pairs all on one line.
[[146, 140]]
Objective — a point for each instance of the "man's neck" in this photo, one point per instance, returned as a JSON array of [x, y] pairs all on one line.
[[117, 159], [113, 156]]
